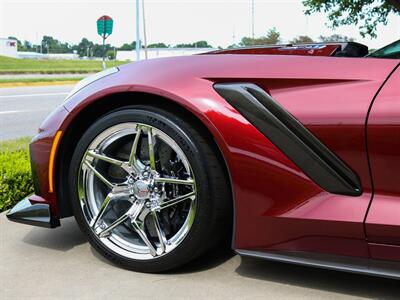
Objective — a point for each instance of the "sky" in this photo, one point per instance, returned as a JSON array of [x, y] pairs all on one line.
[[220, 22]]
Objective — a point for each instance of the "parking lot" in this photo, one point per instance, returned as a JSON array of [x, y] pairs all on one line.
[[39, 263]]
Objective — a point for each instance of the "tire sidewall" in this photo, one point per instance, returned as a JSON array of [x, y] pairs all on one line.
[[176, 129]]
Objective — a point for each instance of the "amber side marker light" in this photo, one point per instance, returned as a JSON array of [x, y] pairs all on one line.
[[51, 160]]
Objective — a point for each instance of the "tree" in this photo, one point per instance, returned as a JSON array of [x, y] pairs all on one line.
[[202, 44], [128, 47], [273, 37], [198, 44], [367, 14], [28, 46], [84, 48], [335, 38], [158, 45], [52, 45], [99, 49], [302, 39], [110, 54]]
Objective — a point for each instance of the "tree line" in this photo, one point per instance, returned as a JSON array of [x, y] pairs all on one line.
[[87, 48], [273, 37]]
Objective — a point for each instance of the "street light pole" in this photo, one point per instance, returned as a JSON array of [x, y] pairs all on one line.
[[144, 31], [137, 30], [252, 18]]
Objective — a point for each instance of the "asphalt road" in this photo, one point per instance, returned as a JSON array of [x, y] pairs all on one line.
[[22, 109], [26, 76], [38, 263]]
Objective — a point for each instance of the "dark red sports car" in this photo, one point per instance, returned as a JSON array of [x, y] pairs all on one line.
[[291, 153]]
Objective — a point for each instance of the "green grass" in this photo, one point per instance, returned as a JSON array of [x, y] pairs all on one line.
[[15, 172], [9, 65]]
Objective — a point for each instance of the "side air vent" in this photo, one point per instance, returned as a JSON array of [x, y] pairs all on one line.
[[291, 137]]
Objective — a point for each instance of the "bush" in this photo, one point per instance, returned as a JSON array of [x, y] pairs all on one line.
[[15, 172]]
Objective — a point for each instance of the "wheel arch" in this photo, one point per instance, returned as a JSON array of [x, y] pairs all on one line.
[[81, 121]]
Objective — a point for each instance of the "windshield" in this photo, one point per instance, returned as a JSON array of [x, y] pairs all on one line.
[[389, 51]]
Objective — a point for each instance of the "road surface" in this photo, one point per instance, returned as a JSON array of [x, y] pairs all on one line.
[[37, 76], [39, 263], [22, 109]]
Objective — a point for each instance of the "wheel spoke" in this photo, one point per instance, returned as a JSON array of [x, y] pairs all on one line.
[[105, 158], [139, 227], [132, 156], [174, 181], [116, 223], [102, 209], [98, 175], [111, 196], [152, 158], [133, 212], [177, 200], [160, 232]]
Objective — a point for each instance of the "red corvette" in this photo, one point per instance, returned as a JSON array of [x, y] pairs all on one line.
[[291, 153]]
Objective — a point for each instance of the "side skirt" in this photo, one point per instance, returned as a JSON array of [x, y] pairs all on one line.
[[356, 265]]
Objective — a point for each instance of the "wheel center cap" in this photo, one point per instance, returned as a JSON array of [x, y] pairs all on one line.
[[141, 189]]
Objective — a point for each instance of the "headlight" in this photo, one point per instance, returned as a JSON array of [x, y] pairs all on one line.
[[92, 78]]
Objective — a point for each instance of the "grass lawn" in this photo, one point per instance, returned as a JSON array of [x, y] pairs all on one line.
[[9, 65], [15, 172], [20, 144]]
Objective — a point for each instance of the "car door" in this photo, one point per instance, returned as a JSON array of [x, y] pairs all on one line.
[[383, 139]]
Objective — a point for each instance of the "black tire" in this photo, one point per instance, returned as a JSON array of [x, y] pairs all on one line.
[[213, 219]]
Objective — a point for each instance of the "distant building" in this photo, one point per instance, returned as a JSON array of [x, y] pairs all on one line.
[[34, 55], [30, 55], [160, 52], [8, 47]]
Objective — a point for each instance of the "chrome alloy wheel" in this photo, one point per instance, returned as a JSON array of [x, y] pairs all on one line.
[[137, 191]]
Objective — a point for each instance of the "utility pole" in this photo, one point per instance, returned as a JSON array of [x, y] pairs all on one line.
[[137, 30], [252, 18], [104, 53], [144, 31]]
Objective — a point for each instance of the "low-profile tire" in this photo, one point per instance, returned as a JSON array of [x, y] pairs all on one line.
[[176, 234]]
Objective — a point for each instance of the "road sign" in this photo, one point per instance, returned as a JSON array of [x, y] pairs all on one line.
[[104, 29], [104, 26]]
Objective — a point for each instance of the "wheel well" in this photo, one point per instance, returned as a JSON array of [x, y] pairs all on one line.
[[101, 107]]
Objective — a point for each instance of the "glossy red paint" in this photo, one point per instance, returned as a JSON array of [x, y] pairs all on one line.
[[39, 149], [383, 221], [277, 207], [384, 251]]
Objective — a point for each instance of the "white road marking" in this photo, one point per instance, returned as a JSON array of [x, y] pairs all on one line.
[[33, 95], [19, 111], [9, 112]]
